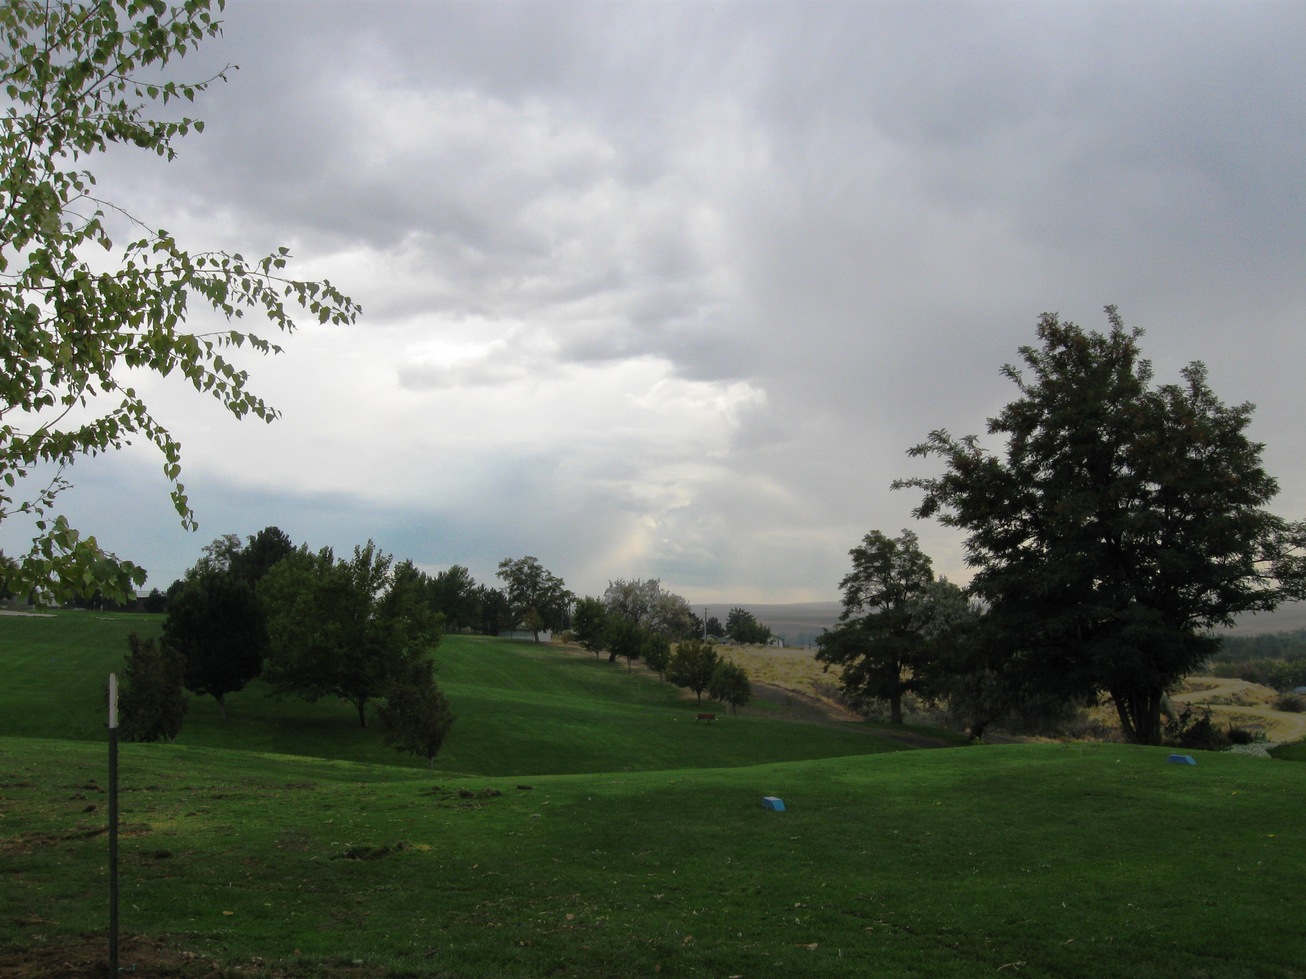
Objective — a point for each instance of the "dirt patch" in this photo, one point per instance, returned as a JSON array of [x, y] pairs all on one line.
[[87, 957]]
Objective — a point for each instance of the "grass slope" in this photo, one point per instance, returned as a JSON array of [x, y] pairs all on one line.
[[1033, 860], [522, 709]]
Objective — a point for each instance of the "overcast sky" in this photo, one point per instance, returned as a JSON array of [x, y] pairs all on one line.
[[669, 289]]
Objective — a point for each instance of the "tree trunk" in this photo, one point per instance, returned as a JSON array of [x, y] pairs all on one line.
[[222, 706], [1140, 715], [895, 709], [361, 704]]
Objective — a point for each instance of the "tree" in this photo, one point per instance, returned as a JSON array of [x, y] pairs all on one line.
[[260, 554], [151, 702], [496, 613], [691, 666], [81, 311], [1123, 522], [589, 624], [742, 627], [624, 638], [343, 627], [415, 715], [879, 642], [656, 652], [538, 598], [729, 684], [454, 595], [216, 623], [714, 628], [647, 605]]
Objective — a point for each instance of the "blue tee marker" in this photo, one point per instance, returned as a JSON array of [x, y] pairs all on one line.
[[1182, 760], [771, 802]]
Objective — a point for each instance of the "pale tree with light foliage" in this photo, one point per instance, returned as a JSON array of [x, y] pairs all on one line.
[[648, 605], [80, 311]]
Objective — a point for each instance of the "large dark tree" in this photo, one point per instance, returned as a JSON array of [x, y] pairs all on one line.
[[495, 612], [343, 627], [538, 598], [216, 622], [453, 593], [1121, 522], [215, 619], [879, 642]]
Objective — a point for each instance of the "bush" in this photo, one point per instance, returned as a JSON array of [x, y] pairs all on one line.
[[1290, 702], [1200, 734], [1239, 735], [151, 701]]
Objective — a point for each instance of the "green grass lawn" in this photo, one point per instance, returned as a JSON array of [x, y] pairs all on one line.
[[521, 708], [593, 829], [1034, 860]]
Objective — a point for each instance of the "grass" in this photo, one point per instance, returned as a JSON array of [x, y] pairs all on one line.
[[1290, 752], [522, 709], [1034, 860], [595, 830]]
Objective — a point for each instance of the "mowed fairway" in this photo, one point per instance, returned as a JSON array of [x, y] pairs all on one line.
[[656, 860], [522, 709]]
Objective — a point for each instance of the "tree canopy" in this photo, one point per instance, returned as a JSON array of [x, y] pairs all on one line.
[[343, 627], [151, 701], [216, 622], [879, 642], [80, 309], [692, 664], [415, 715], [742, 627], [645, 603], [538, 598], [1121, 522]]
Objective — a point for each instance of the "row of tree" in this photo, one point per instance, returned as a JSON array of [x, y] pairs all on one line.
[[362, 628], [639, 619], [1121, 524]]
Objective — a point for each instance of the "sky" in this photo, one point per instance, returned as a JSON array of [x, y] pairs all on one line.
[[669, 289]]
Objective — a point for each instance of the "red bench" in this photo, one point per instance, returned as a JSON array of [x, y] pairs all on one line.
[[704, 717]]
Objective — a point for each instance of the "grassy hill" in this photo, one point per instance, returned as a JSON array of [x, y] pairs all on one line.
[[522, 709], [657, 859]]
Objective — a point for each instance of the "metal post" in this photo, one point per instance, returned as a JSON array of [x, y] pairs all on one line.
[[113, 825]]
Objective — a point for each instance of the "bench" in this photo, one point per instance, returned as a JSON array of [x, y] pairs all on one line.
[[704, 717]]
